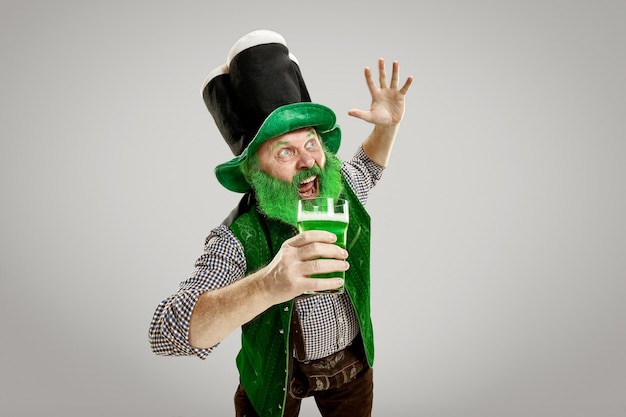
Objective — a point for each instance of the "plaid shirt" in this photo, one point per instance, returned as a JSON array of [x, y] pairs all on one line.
[[328, 322]]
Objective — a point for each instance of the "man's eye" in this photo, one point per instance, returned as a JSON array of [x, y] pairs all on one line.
[[284, 153], [311, 144]]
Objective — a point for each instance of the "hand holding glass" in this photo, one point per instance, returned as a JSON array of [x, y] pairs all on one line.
[[331, 215]]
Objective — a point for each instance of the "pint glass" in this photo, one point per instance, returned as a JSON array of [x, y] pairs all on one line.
[[331, 215]]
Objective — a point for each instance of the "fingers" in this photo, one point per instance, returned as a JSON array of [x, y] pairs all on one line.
[[311, 236], [382, 77], [324, 265], [369, 80], [322, 250], [306, 254], [323, 284], [329, 268], [314, 252], [382, 73], [406, 85], [394, 75]]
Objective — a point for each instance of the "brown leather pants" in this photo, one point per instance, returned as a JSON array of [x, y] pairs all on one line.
[[341, 384]]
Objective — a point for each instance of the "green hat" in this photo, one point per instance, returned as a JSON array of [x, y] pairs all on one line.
[[258, 95]]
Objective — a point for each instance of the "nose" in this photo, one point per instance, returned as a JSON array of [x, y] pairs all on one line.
[[305, 161]]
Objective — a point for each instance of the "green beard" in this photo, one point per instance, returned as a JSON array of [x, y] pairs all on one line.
[[279, 199]]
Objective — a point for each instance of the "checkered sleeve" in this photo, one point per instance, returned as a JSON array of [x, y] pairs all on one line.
[[221, 264], [362, 174]]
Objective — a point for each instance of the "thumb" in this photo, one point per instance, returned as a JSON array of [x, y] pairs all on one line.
[[361, 114]]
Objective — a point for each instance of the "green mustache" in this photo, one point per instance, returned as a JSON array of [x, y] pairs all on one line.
[[302, 175]]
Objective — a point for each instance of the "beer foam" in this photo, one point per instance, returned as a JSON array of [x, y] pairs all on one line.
[[320, 215]]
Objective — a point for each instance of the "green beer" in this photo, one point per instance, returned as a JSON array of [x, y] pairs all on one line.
[[330, 215]]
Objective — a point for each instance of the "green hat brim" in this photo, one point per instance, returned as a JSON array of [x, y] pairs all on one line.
[[282, 120]]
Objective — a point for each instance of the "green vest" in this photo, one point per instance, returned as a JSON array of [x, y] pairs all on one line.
[[264, 358]]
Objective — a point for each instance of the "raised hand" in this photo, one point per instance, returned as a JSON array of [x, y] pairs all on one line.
[[387, 106]]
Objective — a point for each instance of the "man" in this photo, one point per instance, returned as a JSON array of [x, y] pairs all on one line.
[[256, 267]]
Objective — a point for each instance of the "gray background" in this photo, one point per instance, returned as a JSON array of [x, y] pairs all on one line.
[[499, 232]]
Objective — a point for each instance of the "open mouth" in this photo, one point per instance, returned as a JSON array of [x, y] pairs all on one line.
[[308, 188]]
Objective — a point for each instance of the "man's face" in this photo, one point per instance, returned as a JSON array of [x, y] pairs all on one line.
[[286, 155], [291, 167]]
